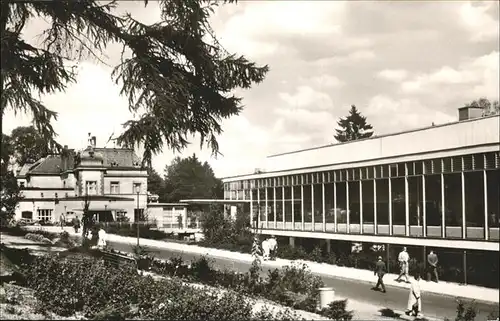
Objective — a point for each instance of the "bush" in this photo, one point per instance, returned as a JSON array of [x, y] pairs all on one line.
[[68, 286], [337, 310], [295, 286]]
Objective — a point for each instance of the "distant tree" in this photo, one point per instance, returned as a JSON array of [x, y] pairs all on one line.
[[155, 182], [188, 178], [489, 107], [353, 127], [10, 193], [28, 145]]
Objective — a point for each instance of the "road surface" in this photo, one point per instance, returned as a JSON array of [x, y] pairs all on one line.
[[433, 305]]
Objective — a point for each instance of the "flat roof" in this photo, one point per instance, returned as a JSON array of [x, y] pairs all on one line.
[[166, 204], [214, 201], [385, 135]]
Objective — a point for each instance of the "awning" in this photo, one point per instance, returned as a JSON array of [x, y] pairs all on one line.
[[98, 198], [99, 209]]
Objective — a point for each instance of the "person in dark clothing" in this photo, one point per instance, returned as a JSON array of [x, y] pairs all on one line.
[[432, 259], [380, 272]]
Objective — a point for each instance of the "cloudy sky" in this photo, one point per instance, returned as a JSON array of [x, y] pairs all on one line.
[[403, 64]]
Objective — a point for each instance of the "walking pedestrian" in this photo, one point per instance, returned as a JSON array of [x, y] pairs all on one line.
[[76, 224], [380, 272], [432, 259], [403, 259], [414, 299], [62, 220]]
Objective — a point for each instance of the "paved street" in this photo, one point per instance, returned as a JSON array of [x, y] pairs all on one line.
[[395, 298]]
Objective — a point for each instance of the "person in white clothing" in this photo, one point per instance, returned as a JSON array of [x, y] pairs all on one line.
[[273, 247], [414, 300], [103, 238], [403, 259], [265, 249]]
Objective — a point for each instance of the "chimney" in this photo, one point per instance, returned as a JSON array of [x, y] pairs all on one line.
[[469, 112], [64, 158], [93, 141]]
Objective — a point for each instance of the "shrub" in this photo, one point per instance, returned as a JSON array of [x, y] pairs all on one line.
[[295, 286], [466, 312], [67, 286], [337, 310]]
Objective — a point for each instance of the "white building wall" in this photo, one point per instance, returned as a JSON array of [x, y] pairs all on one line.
[[53, 181], [464, 134]]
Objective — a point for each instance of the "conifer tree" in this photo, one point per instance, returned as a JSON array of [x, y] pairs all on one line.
[[353, 127]]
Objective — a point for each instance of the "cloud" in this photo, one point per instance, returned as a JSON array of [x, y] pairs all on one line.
[[480, 73], [400, 70], [394, 75], [387, 114], [481, 25], [306, 96]]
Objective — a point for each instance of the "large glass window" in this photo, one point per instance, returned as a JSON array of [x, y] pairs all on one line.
[[341, 203], [255, 205], [453, 205], [433, 203], [329, 207], [307, 204], [493, 187], [415, 205], [382, 202], [318, 204], [398, 206], [474, 204], [262, 204], [270, 204], [279, 204], [367, 199], [288, 204], [354, 208], [297, 205]]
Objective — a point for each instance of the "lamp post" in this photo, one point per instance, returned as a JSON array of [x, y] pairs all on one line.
[[137, 190]]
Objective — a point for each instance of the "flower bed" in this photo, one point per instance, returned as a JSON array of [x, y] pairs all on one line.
[[293, 286], [67, 286]]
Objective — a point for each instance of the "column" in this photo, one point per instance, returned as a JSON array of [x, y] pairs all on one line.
[[251, 208], [184, 218], [293, 209], [302, 205], [328, 246], [323, 212], [443, 228], [407, 203], [312, 207], [266, 210], [335, 207], [465, 267], [486, 227], [291, 240], [388, 257], [375, 229], [424, 209], [274, 192], [464, 230], [283, 205], [360, 207], [390, 206], [347, 206]]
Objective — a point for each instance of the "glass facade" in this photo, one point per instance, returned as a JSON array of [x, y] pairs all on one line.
[[453, 197]]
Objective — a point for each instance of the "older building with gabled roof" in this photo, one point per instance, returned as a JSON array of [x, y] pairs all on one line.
[[111, 179]]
